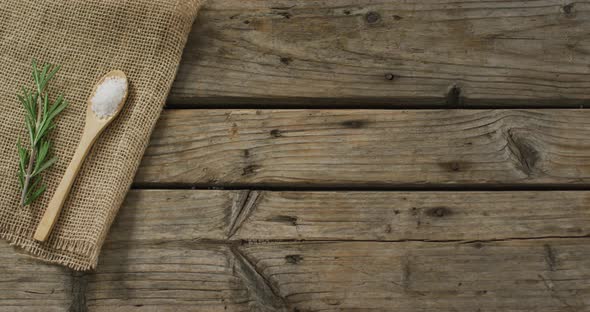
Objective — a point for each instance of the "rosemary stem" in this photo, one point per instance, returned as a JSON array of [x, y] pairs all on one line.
[[33, 154]]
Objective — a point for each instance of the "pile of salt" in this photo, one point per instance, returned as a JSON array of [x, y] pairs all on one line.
[[108, 96]]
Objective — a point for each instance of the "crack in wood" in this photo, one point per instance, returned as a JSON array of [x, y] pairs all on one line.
[[267, 298], [406, 273], [242, 208], [506, 239], [236, 208], [550, 257], [240, 242]]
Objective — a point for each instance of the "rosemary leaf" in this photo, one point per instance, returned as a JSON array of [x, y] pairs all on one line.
[[35, 195], [40, 113], [44, 166]]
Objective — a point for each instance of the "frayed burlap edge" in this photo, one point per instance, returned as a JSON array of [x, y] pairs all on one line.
[[58, 256]]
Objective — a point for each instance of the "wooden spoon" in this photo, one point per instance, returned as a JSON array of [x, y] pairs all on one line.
[[93, 128]]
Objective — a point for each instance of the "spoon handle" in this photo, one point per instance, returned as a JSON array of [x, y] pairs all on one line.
[[63, 189]]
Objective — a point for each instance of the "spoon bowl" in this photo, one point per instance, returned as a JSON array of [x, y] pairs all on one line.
[[90, 114]]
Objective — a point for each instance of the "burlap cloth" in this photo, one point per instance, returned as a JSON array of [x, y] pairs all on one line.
[[88, 38]]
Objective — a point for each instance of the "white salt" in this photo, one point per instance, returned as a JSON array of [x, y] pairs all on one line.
[[108, 96]]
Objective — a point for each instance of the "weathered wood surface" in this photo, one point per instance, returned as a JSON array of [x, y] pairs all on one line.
[[428, 216], [213, 215], [363, 52], [174, 215], [29, 286], [199, 271], [240, 250], [369, 147], [171, 276], [528, 252], [540, 275]]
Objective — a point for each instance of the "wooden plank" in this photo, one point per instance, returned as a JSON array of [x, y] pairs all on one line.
[[27, 285], [363, 52], [539, 275], [434, 216], [144, 267], [369, 148], [152, 215]]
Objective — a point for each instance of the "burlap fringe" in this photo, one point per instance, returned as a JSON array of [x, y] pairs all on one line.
[[19, 237]]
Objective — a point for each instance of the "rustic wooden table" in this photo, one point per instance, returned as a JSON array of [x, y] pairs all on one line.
[[349, 155]]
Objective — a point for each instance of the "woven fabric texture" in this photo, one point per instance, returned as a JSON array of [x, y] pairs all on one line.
[[88, 38]]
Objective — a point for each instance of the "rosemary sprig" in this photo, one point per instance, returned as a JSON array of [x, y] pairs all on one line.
[[40, 114]]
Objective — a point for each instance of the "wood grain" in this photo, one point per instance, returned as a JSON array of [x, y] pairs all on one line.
[[169, 276], [27, 285], [510, 266], [369, 148], [539, 275], [208, 215], [167, 251], [428, 216], [176, 215], [362, 52]]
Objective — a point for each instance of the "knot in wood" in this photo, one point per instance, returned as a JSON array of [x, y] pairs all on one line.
[[372, 17]]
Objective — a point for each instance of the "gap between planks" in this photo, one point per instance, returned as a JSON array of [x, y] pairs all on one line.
[[453, 100]]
